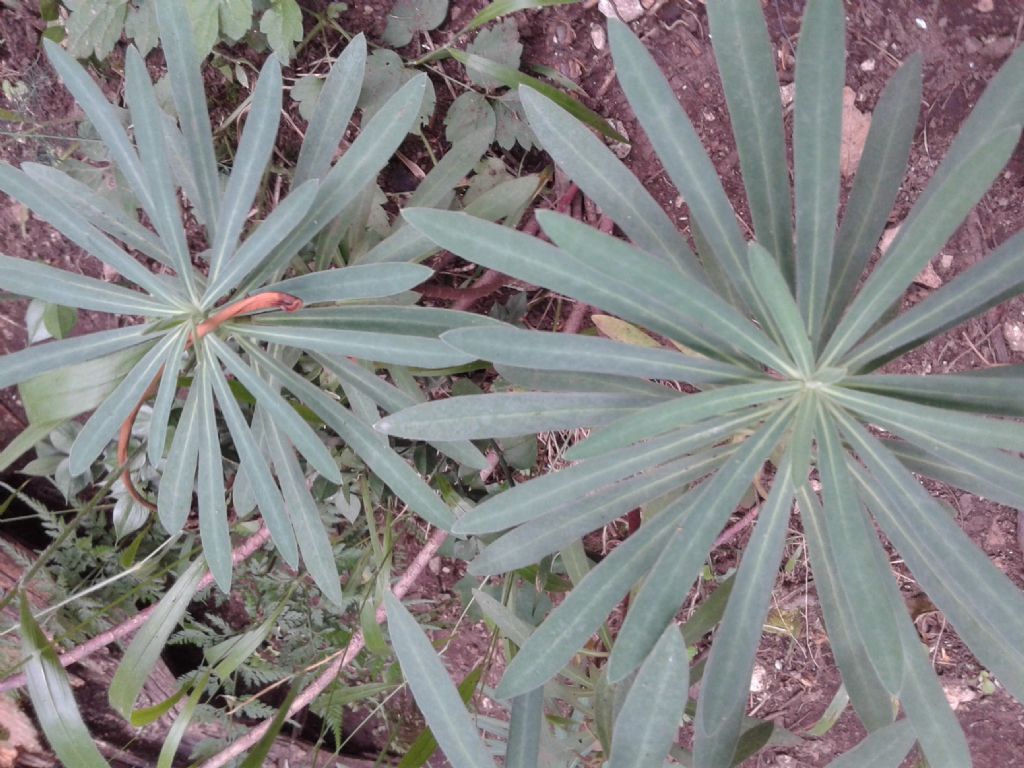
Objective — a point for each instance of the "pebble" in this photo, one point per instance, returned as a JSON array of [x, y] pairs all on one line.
[[985, 6], [627, 10], [868, 65], [597, 36], [1013, 332]]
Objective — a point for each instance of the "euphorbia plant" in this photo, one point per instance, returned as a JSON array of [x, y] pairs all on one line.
[[223, 323], [785, 350]]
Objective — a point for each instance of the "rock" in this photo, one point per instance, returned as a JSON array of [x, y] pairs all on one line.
[[627, 10], [855, 132], [985, 6], [786, 92], [957, 694], [929, 278], [868, 65], [1013, 332], [620, 149], [759, 679], [887, 237], [597, 36]]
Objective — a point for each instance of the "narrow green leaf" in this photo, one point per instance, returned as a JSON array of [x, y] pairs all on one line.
[[498, 8], [43, 358], [392, 399], [817, 136], [682, 411], [190, 101], [283, 414], [369, 281], [98, 210], [213, 512], [684, 158], [1001, 395], [569, 381], [532, 500], [524, 730], [991, 474], [258, 757], [930, 223], [726, 681], [334, 107], [40, 281], [457, 162], [686, 548], [174, 499], [377, 141], [873, 704], [105, 420], [713, 320], [926, 424], [850, 532], [147, 645], [879, 177], [648, 723], [573, 352], [162, 195], [434, 692], [25, 441], [884, 748], [997, 277], [426, 745], [746, 62], [603, 177], [103, 117], [573, 519], [176, 733], [778, 301], [156, 442], [504, 618], [507, 414], [568, 626], [384, 462], [398, 349], [314, 542], [251, 160], [513, 78], [53, 700], [255, 253], [984, 606], [261, 481]]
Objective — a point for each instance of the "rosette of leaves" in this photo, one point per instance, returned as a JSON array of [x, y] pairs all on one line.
[[785, 349], [222, 324]]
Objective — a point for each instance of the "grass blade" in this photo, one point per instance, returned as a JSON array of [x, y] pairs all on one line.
[[334, 107], [251, 160], [603, 177], [746, 63], [879, 176], [53, 700], [147, 645], [498, 8], [433, 690], [817, 135], [648, 723]]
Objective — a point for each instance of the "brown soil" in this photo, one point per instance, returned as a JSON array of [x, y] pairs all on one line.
[[963, 47]]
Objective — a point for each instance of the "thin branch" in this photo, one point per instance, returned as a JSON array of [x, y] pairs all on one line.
[[318, 686], [129, 627]]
